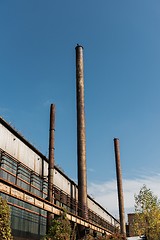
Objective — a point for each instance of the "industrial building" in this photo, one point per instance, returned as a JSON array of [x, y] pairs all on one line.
[[37, 190], [24, 183]]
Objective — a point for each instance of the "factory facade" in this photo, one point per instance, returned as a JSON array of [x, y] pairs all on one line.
[[24, 183], [37, 190]]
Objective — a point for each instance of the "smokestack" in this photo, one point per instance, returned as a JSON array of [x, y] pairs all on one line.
[[81, 135], [119, 186], [51, 163]]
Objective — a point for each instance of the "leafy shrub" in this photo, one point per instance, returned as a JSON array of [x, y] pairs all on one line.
[[60, 229], [5, 229], [115, 236]]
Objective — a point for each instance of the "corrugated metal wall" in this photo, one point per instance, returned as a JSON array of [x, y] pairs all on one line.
[[15, 147], [24, 167]]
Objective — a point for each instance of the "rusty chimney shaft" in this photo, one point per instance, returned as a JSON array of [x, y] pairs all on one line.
[[51, 153], [51, 162], [81, 135], [119, 186]]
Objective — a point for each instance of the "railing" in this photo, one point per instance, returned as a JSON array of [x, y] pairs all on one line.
[[17, 173]]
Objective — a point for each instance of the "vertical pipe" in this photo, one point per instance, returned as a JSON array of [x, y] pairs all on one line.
[[51, 163], [119, 186], [81, 135]]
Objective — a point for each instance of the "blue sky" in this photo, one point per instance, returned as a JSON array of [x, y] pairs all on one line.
[[122, 71]]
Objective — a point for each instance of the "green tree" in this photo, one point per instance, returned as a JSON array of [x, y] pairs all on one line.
[[5, 229], [147, 214], [116, 236], [113, 236], [60, 229]]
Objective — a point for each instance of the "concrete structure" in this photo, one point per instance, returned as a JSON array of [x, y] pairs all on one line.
[[130, 224]]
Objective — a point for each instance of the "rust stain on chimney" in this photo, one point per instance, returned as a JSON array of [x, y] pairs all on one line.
[[81, 135]]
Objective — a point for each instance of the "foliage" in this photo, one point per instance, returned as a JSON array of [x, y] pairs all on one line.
[[88, 237], [5, 229], [116, 236], [147, 214], [101, 238], [60, 229]]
